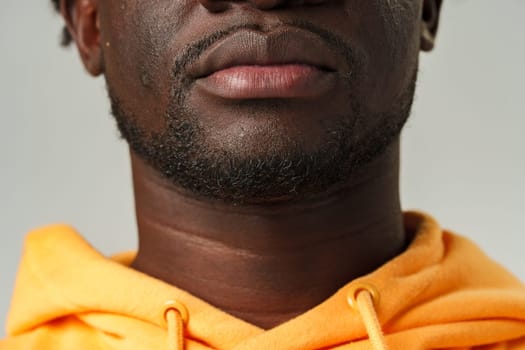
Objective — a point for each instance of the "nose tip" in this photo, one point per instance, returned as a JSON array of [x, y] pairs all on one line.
[[223, 5]]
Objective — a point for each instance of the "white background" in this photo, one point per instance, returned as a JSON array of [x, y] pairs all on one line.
[[463, 150]]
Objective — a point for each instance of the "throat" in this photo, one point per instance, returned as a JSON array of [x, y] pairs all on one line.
[[267, 265], [266, 287]]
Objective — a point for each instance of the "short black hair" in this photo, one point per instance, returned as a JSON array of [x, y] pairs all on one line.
[[66, 36]]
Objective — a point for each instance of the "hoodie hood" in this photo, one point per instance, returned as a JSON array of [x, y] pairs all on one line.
[[442, 292]]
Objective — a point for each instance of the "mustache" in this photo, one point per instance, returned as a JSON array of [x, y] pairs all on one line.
[[192, 52]]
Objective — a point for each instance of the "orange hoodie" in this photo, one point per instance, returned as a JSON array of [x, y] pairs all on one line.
[[441, 293]]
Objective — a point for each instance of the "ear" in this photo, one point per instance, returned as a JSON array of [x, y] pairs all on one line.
[[429, 23], [82, 21]]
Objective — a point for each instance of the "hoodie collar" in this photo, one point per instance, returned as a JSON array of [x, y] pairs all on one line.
[[62, 275]]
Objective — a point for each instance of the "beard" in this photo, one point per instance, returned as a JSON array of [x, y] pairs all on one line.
[[185, 154]]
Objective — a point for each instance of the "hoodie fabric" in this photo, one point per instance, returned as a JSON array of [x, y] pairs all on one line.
[[441, 293]]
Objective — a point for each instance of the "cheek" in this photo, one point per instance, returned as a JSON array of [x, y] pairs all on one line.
[[401, 20], [135, 36], [392, 46]]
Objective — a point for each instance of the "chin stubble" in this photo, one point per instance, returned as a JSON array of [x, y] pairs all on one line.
[[183, 154]]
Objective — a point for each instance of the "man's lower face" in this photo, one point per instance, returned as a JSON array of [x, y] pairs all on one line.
[[258, 114]]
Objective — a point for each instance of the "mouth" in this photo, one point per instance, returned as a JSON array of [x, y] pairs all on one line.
[[288, 63]]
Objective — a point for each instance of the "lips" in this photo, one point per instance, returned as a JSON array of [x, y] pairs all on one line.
[[286, 63]]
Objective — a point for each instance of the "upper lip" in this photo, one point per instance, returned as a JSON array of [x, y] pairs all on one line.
[[248, 47]]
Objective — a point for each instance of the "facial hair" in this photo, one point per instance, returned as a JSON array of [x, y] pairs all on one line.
[[183, 153]]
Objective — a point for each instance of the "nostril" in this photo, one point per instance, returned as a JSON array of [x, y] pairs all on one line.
[[268, 4], [296, 2], [215, 6], [314, 2]]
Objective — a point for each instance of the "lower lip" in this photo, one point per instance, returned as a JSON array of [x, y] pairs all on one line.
[[273, 81]]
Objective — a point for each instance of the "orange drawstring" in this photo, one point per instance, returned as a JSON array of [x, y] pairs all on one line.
[[362, 298], [175, 315], [175, 332]]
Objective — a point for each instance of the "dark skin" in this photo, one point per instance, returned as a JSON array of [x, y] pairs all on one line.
[[268, 259]]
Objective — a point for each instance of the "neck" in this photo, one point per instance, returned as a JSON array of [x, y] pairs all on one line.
[[266, 264]]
